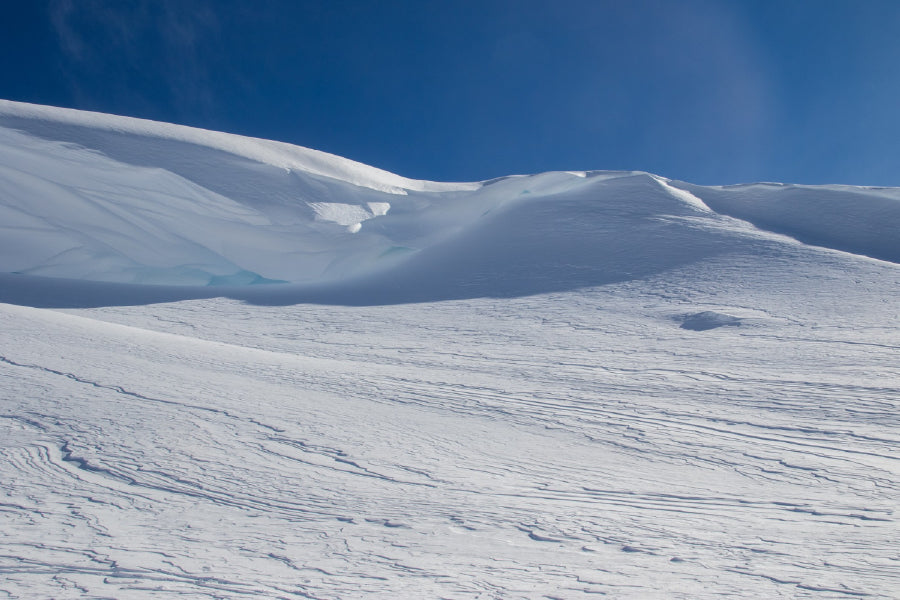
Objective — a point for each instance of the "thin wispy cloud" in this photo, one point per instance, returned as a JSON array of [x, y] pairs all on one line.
[[171, 44], [700, 90], [71, 42]]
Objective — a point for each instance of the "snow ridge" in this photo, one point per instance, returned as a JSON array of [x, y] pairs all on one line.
[[98, 197], [278, 154]]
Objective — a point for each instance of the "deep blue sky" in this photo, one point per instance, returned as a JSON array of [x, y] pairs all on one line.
[[708, 91]]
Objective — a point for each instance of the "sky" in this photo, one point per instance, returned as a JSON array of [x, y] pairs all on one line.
[[706, 91]]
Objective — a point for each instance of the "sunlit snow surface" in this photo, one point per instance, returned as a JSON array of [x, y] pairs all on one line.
[[542, 386]]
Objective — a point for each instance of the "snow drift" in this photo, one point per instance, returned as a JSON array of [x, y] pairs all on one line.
[[86, 196], [555, 385]]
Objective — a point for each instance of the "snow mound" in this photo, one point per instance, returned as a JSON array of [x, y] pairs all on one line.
[[861, 220], [277, 154], [95, 197]]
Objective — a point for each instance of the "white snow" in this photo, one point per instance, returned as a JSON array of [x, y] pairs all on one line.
[[277, 154], [349, 215], [685, 195], [552, 385]]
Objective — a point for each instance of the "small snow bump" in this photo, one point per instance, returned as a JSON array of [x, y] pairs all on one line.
[[379, 209], [708, 319]]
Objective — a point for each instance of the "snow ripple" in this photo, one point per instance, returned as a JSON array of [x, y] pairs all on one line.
[[465, 449]]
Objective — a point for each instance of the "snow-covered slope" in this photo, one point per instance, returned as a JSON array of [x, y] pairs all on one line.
[[97, 197], [276, 154], [347, 384]]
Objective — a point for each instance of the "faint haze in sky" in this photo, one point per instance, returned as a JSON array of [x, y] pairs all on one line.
[[707, 91]]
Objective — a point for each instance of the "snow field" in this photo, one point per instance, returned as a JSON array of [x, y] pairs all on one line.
[[551, 445], [542, 386]]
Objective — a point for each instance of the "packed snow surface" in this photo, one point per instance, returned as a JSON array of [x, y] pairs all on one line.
[[235, 368]]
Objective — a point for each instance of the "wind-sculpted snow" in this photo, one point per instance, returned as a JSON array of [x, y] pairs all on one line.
[[550, 386], [860, 220], [102, 198], [120, 134], [545, 446]]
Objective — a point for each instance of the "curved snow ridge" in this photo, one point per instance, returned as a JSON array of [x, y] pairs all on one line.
[[860, 220], [278, 154], [145, 210], [683, 195], [68, 211]]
